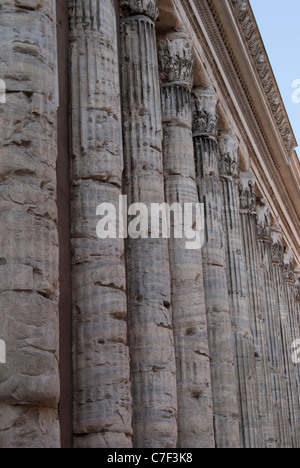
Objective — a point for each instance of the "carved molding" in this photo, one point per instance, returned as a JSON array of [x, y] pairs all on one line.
[[263, 221], [229, 155], [205, 114], [140, 7], [247, 192], [176, 60], [289, 267], [256, 48]]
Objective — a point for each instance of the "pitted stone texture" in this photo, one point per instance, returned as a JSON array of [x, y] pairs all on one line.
[[151, 339], [194, 393], [102, 391], [29, 382], [205, 128], [269, 403]]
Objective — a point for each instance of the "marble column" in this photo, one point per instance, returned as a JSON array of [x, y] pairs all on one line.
[[258, 311], [297, 312], [273, 326], [29, 275], [153, 371], [286, 328], [206, 150], [237, 280], [293, 318], [195, 411], [102, 394]]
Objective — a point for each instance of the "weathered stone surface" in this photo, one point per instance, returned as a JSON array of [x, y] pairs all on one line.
[[102, 392], [29, 381], [195, 411], [153, 371], [286, 331], [258, 313], [205, 129], [243, 339]]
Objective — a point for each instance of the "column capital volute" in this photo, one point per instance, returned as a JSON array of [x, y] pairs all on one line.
[[176, 59], [247, 192], [229, 155], [139, 7], [205, 113]]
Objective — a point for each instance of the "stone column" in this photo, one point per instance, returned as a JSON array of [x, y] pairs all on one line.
[[273, 327], [286, 332], [102, 395], [29, 380], [238, 294], [153, 372], [205, 131], [258, 311], [297, 311], [293, 318], [195, 411]]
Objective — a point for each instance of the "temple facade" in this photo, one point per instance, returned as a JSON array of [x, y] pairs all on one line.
[[140, 342]]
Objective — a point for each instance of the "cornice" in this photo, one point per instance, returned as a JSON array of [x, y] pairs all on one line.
[[245, 18]]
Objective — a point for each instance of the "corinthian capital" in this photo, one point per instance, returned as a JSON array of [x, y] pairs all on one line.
[[289, 267], [277, 244], [140, 7], [297, 284], [176, 60], [247, 192], [205, 113], [263, 220], [229, 155]]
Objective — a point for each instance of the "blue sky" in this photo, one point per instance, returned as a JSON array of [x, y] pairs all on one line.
[[279, 23]]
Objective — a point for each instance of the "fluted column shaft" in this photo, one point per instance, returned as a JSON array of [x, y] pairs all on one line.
[[238, 294], [205, 130], [29, 379], [195, 411], [286, 330], [258, 311], [293, 318], [273, 327], [102, 395], [153, 372]]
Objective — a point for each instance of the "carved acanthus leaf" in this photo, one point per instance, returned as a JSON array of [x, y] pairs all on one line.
[[289, 268], [176, 60], [229, 155], [140, 7], [205, 114], [277, 247], [263, 221], [247, 192]]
